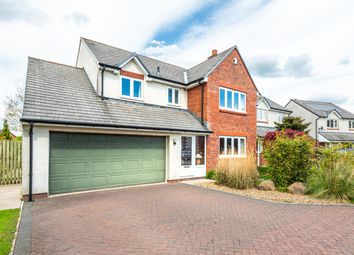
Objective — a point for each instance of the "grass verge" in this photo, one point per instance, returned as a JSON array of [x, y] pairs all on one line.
[[8, 223]]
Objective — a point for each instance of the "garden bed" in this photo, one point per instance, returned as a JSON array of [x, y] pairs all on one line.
[[274, 196]]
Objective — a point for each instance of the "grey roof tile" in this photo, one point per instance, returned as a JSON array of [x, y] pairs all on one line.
[[113, 56], [275, 106], [323, 109], [60, 93], [262, 130], [338, 136]]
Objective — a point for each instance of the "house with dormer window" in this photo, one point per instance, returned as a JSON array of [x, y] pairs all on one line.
[[329, 122], [119, 118], [268, 113]]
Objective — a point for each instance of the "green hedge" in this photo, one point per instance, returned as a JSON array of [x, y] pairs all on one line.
[[289, 159]]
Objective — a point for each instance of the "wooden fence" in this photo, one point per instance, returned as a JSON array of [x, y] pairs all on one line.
[[10, 162]]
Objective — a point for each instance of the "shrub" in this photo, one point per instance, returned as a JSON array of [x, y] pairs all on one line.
[[271, 136], [289, 159], [210, 175], [239, 173], [333, 175]]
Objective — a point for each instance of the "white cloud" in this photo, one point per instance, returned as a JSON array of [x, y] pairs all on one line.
[[78, 18], [285, 29], [301, 41], [126, 24]]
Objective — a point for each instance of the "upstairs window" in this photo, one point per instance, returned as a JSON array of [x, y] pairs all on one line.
[[173, 96], [332, 123], [351, 124], [232, 100], [262, 115], [131, 88]]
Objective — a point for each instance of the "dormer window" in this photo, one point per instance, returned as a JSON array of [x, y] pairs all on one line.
[[332, 124], [173, 96], [131, 88]]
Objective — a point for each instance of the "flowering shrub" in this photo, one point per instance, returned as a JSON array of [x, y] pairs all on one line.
[[271, 136]]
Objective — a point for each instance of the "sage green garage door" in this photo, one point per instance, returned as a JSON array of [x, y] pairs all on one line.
[[90, 161]]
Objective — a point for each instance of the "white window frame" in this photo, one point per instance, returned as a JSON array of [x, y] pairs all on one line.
[[194, 151], [173, 96], [265, 113], [131, 88], [335, 123], [232, 100], [239, 155], [351, 124]]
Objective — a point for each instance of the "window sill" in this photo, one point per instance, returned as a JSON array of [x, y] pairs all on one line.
[[332, 128], [174, 105], [232, 156], [233, 112], [262, 121], [132, 99]]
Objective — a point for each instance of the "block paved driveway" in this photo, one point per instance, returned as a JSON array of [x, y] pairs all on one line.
[[184, 219]]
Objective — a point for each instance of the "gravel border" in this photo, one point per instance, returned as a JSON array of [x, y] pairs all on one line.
[[271, 196]]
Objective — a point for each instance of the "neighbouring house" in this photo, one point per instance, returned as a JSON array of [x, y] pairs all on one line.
[[268, 113], [119, 118], [329, 122]]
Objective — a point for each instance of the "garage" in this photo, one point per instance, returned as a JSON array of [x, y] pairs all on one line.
[[79, 162]]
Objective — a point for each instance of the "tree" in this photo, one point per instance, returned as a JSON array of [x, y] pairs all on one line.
[[293, 123], [5, 132], [13, 110]]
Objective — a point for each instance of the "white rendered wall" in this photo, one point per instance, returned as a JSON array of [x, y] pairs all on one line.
[[152, 92], [87, 61], [308, 116]]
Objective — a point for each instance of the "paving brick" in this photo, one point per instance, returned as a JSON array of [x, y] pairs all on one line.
[[183, 219]]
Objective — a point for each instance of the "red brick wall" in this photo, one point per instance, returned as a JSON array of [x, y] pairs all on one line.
[[232, 76]]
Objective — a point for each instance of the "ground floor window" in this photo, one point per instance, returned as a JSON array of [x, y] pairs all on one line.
[[232, 146], [193, 150]]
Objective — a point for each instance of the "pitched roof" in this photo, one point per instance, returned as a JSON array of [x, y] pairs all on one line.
[[323, 109], [338, 136], [262, 130], [113, 56], [274, 105], [57, 93]]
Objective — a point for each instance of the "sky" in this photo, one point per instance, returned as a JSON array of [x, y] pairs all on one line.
[[300, 49]]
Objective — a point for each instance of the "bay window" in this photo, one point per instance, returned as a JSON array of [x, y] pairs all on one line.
[[231, 146], [232, 100], [131, 88]]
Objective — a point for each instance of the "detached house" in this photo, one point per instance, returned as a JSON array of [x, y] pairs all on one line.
[[119, 118], [268, 113], [329, 122]]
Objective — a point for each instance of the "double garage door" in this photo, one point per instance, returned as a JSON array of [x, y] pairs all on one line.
[[89, 161]]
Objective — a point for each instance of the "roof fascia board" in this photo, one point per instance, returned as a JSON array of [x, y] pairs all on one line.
[[219, 62], [266, 102], [96, 125], [166, 82], [336, 113], [137, 61]]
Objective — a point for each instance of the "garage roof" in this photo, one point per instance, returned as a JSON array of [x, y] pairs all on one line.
[[62, 94], [338, 136]]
